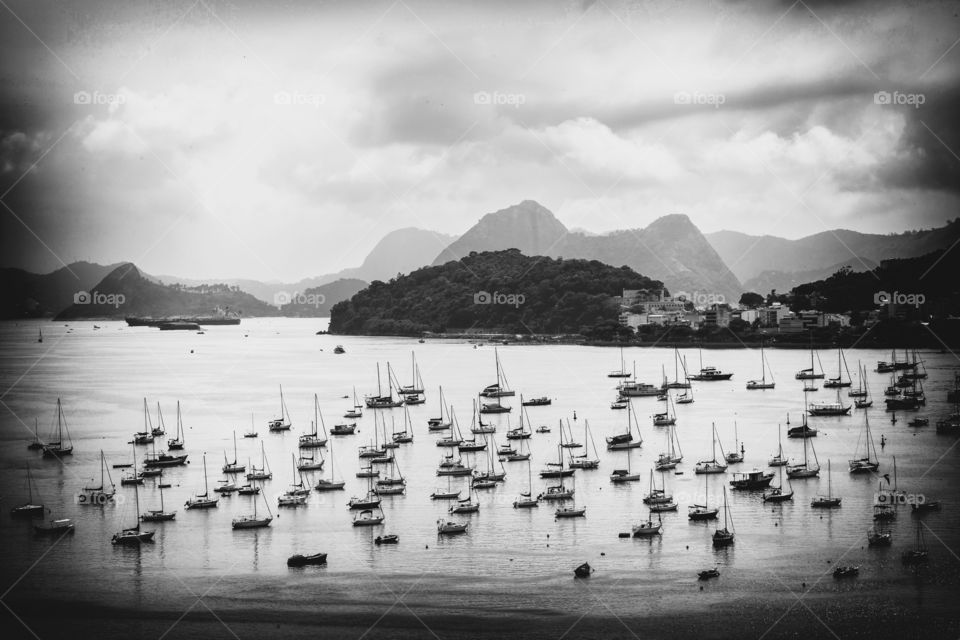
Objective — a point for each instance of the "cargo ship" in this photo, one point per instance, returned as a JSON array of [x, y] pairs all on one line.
[[219, 317]]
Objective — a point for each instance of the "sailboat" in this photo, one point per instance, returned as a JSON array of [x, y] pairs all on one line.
[[381, 401], [370, 500], [810, 373], [584, 460], [734, 456], [297, 494], [557, 469], [501, 388], [203, 500], [309, 462], [39, 334], [177, 442], [673, 455], [919, 552], [466, 505], [703, 511], [860, 391], [868, 463], [804, 430], [622, 373], [357, 410], [777, 494], [677, 382], [134, 535], [413, 392], [762, 383], [625, 440], [828, 501], [313, 439], [29, 509], [648, 528], [526, 500], [133, 477], [571, 511], [161, 428], [805, 470], [145, 436], [36, 444], [522, 432], [838, 382], [405, 436], [99, 495], [472, 444], [393, 484], [283, 423], [254, 521], [62, 446], [253, 431], [263, 473], [724, 537], [778, 460], [711, 465], [687, 396], [620, 476], [442, 422], [658, 496], [233, 467], [332, 484], [829, 408], [158, 515], [668, 417], [491, 474]]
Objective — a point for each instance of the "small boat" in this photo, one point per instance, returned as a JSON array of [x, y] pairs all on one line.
[[543, 429], [811, 373], [132, 477], [622, 373], [868, 463], [839, 382], [925, 506], [339, 349], [390, 538], [708, 573], [177, 442], [331, 484], [668, 417], [709, 374], [878, 538], [919, 422], [536, 402], [501, 388], [357, 410], [846, 572], [752, 480], [526, 500], [570, 512], [55, 527], [263, 473], [621, 476], [625, 440], [556, 493], [415, 388], [451, 528], [778, 460], [778, 494], [343, 429], [443, 421], [299, 560], [283, 423], [381, 401], [367, 518], [465, 505], [584, 460], [36, 445], [648, 529], [248, 490], [735, 457], [583, 571], [703, 511], [805, 470], [158, 515], [618, 404], [225, 488], [100, 495]]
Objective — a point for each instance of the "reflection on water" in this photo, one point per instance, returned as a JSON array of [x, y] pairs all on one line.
[[222, 376]]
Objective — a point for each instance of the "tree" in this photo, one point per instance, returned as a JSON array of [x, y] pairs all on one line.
[[751, 300]]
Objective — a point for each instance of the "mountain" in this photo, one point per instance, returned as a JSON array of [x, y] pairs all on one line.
[[748, 256], [399, 251], [496, 291], [24, 294], [316, 302], [670, 249], [126, 292], [782, 281]]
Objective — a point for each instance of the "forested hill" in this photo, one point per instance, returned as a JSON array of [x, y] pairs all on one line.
[[497, 291]]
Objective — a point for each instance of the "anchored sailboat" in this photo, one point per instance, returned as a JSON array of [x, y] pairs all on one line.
[[313, 439], [724, 537], [28, 509], [828, 501], [62, 446], [134, 535], [202, 500], [867, 463], [762, 383], [711, 465], [283, 423]]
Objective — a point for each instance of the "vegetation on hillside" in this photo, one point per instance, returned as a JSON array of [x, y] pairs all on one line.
[[503, 291]]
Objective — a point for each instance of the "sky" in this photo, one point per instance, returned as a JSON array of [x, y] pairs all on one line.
[[276, 141]]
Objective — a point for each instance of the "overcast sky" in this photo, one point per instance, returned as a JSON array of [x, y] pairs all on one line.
[[238, 139]]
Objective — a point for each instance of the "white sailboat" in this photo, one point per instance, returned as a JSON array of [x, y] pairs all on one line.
[[625, 440], [314, 439], [158, 515], [254, 521], [673, 455], [441, 422], [868, 463], [177, 441], [233, 467], [724, 537], [828, 501], [331, 484], [62, 445], [101, 494], [526, 500], [805, 470], [762, 383], [711, 465], [263, 473], [735, 457], [203, 500], [584, 460], [134, 535], [283, 423]]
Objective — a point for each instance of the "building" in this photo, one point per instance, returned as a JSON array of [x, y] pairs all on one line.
[[717, 316]]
